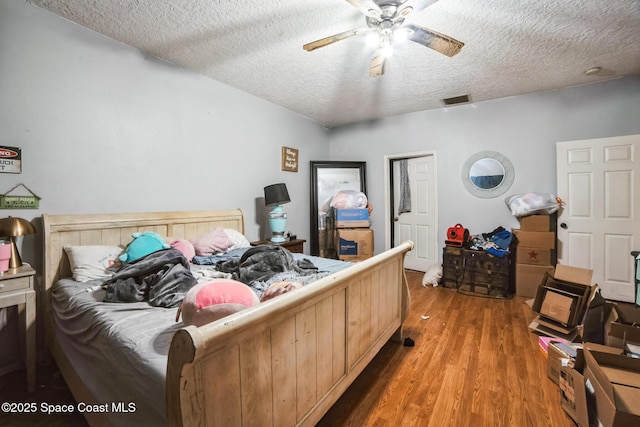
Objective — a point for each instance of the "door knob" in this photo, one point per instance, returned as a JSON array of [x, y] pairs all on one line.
[[564, 226], [395, 219]]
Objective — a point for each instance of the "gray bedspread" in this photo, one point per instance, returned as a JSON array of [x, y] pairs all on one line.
[[120, 349], [162, 278]]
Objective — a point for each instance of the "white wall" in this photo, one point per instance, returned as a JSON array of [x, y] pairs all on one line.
[[523, 128], [104, 128]]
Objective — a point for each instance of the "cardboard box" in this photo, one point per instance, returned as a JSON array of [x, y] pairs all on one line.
[[536, 239], [570, 310], [354, 244], [616, 387], [535, 256], [578, 275], [529, 278], [352, 218], [547, 327], [538, 223], [619, 326], [559, 354], [573, 395], [559, 306]]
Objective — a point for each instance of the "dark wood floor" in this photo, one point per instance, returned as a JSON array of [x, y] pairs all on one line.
[[50, 390], [474, 363]]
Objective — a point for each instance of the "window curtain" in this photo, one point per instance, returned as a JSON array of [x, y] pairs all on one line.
[[405, 188]]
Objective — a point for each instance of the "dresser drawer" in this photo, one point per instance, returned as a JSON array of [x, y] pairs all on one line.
[[15, 284], [485, 263]]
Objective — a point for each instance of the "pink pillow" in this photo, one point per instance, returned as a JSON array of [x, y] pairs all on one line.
[[207, 302], [215, 241], [185, 247]]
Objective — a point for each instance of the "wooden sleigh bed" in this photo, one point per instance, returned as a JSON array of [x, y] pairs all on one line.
[[281, 363]]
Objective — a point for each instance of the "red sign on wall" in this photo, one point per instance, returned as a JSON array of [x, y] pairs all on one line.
[[10, 159]]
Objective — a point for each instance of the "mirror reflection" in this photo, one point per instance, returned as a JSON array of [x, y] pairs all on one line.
[[486, 173]]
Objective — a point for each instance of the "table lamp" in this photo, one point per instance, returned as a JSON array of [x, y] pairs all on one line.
[[276, 195], [12, 227]]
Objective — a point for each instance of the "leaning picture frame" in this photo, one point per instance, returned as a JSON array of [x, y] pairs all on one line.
[[328, 178]]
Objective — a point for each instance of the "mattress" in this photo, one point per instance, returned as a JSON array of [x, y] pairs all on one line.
[[120, 350]]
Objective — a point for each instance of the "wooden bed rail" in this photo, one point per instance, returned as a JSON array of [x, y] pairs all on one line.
[[286, 361]]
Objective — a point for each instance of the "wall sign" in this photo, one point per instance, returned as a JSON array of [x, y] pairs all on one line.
[[10, 159], [8, 201], [289, 159]]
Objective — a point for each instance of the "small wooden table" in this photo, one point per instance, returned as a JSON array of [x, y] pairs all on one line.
[[16, 288], [295, 246]]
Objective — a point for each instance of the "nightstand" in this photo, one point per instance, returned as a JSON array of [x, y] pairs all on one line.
[[16, 288], [295, 246]]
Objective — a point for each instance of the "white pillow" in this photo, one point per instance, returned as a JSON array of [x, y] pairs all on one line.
[[91, 262], [238, 239]]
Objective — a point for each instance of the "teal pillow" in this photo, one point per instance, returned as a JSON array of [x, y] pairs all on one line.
[[142, 245]]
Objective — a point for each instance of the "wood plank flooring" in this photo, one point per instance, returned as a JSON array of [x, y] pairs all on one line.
[[474, 363]]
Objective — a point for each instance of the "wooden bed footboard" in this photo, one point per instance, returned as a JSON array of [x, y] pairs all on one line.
[[287, 361]]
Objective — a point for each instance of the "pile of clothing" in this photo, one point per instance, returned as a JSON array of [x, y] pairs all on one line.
[[495, 243]]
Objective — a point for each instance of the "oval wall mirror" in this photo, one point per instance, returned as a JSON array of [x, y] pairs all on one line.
[[487, 174]]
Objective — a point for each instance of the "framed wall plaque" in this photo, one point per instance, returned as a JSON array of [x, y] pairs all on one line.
[[289, 159]]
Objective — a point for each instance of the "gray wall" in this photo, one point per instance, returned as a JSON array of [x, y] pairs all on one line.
[[523, 128], [104, 128]]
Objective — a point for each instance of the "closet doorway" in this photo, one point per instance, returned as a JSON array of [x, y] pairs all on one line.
[[411, 206]]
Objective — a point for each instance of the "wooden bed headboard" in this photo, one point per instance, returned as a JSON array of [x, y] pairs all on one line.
[[116, 229]]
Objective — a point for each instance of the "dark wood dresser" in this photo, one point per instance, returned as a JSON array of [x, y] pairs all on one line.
[[295, 246], [478, 272]]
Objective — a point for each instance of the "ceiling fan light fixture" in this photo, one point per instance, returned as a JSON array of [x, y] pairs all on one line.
[[401, 35], [373, 39], [406, 11], [383, 18]]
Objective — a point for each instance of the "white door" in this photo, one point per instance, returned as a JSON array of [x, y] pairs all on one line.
[[418, 225], [599, 180]]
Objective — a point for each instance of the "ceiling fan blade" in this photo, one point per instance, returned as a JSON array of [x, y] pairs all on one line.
[[376, 68], [334, 38], [368, 7], [434, 40]]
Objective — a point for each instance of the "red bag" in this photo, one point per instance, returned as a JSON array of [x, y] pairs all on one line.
[[457, 236]]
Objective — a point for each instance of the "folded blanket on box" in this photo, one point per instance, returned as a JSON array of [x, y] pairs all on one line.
[[162, 278]]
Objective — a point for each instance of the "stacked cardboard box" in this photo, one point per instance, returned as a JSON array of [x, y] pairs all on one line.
[[570, 367], [600, 384], [562, 301], [535, 252], [353, 238]]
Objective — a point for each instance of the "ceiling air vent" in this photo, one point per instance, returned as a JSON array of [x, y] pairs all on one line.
[[456, 100]]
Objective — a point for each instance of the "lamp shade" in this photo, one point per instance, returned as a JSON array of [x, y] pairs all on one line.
[[12, 226], [276, 194]]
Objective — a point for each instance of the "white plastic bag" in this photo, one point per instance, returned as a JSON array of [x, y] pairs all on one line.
[[349, 199], [532, 203]]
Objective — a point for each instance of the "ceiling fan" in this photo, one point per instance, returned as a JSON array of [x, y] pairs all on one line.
[[386, 17]]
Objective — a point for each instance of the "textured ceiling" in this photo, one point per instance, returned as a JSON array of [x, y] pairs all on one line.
[[512, 47]]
